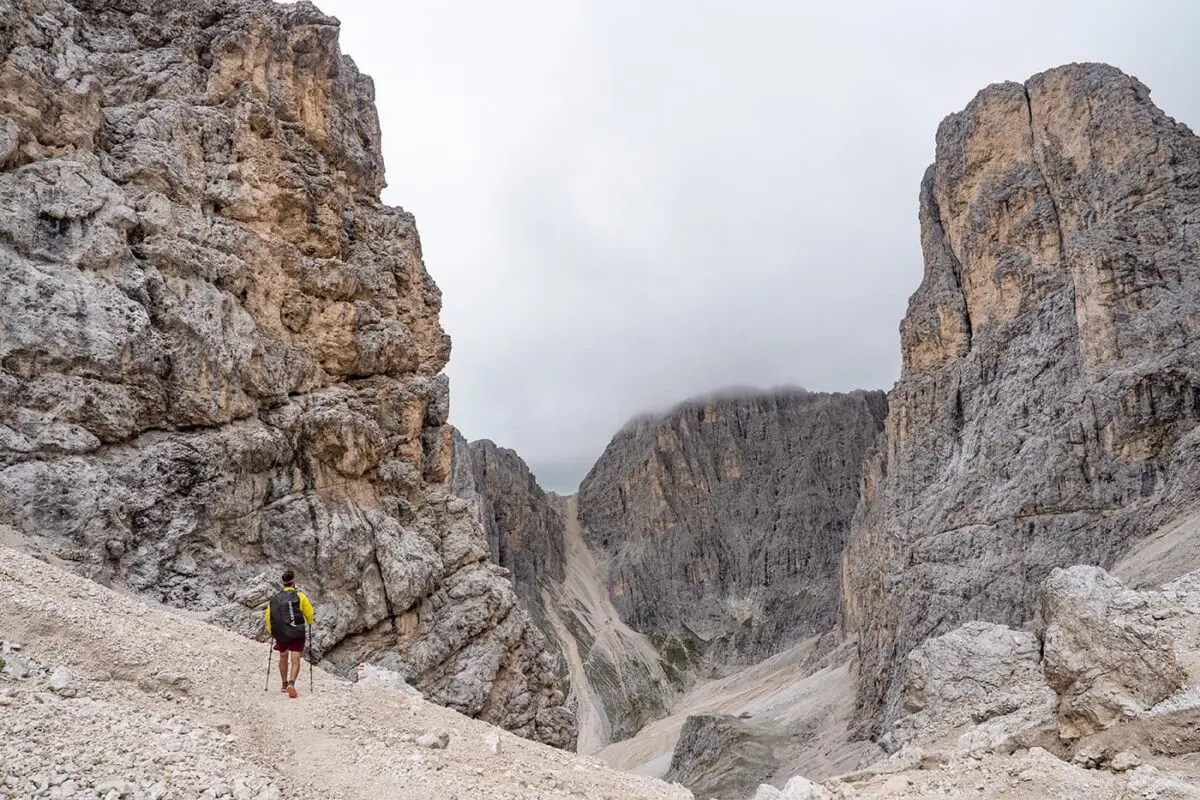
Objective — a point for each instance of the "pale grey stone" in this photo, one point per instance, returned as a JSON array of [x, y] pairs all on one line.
[[801, 788], [62, 683], [220, 353], [1124, 761], [1104, 653], [722, 522], [982, 679], [1048, 405], [435, 740]]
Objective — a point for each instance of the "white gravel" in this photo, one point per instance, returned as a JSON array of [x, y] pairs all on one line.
[[122, 701]]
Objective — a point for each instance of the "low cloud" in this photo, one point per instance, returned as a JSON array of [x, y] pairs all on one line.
[[628, 203]]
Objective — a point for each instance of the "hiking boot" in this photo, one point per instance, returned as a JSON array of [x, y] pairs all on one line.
[[284, 689], [291, 689]]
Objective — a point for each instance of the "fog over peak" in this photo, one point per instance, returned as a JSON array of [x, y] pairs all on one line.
[[629, 204]]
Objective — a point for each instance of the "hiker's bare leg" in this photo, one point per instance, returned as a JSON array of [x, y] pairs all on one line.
[[283, 665], [295, 667]]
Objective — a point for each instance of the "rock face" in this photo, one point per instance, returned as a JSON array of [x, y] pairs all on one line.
[[720, 524], [220, 353], [1047, 409], [616, 679], [524, 524], [721, 756], [1106, 654], [981, 674]]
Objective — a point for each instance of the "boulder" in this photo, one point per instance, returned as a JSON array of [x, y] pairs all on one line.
[[434, 740], [62, 682], [797, 788], [981, 674], [1105, 654]]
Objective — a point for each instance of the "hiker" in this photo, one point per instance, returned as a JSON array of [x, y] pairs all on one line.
[[290, 610]]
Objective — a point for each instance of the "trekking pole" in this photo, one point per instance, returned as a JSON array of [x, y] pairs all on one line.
[[310, 670], [267, 688]]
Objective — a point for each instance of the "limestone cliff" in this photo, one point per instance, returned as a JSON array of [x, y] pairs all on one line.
[[721, 524], [1047, 411], [722, 756], [220, 353], [615, 678], [704, 537], [524, 524]]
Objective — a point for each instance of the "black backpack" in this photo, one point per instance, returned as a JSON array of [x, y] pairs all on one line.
[[287, 621]]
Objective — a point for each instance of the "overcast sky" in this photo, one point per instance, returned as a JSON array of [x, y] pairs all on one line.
[[629, 202]]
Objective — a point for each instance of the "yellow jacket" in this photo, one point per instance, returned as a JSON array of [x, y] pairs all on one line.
[[305, 607]]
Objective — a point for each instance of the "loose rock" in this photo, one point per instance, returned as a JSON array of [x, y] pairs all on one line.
[[1103, 653], [435, 740]]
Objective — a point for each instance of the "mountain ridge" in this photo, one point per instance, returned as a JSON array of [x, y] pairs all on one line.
[[624, 673]]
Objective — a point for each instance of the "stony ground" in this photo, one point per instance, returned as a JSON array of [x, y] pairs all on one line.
[[808, 706], [104, 696], [1033, 774]]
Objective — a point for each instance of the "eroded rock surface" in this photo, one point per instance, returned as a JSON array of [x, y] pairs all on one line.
[[1047, 409], [1107, 654], [722, 756], [720, 524], [220, 353], [523, 523], [982, 676]]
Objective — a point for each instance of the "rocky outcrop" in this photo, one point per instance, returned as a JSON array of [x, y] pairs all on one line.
[[616, 680], [1105, 652], [220, 353], [721, 756], [976, 669], [982, 676], [720, 524], [524, 524], [1047, 409]]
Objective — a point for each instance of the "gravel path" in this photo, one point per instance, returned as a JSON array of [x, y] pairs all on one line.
[[105, 696]]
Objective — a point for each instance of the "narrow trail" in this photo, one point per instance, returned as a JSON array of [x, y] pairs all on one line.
[[285, 734], [349, 741]]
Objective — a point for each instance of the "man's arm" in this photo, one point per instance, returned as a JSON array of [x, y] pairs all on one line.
[[306, 608]]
